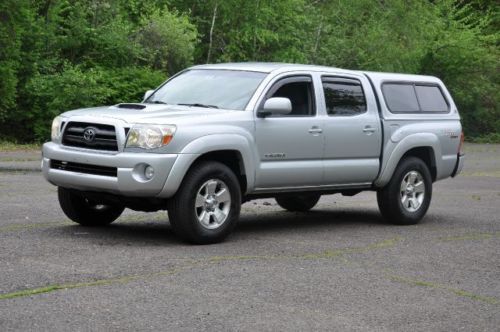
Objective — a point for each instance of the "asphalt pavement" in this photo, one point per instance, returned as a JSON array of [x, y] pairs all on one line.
[[339, 267]]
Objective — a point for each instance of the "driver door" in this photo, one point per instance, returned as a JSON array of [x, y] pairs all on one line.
[[290, 146]]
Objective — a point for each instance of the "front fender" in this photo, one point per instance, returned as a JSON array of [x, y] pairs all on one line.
[[206, 144], [395, 150]]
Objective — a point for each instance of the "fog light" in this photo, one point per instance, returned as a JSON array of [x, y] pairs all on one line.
[[149, 172]]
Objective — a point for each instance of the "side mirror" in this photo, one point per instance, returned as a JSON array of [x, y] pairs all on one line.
[[147, 94], [275, 106]]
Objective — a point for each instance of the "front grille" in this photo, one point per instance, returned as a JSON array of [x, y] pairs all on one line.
[[83, 168], [91, 136]]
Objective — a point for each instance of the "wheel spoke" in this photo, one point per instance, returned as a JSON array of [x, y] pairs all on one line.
[[223, 196], [211, 186], [412, 178], [419, 187], [405, 201], [200, 201], [204, 217], [416, 203], [404, 184], [219, 216]]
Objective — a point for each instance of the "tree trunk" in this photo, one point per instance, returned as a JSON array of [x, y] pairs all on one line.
[[212, 33]]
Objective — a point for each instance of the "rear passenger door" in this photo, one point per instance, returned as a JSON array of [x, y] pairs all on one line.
[[352, 131]]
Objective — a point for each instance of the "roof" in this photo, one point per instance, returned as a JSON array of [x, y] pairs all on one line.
[[264, 67], [268, 67]]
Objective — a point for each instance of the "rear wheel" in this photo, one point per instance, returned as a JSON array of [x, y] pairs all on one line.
[[298, 203], [207, 206], [406, 198], [85, 211]]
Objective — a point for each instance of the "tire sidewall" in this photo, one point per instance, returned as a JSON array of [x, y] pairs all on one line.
[[190, 226]]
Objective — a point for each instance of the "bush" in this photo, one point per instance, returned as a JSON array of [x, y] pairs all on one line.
[[76, 87]]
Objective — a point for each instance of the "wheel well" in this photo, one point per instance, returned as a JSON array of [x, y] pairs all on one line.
[[426, 154], [230, 158]]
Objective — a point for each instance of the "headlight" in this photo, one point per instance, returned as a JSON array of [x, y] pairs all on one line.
[[56, 128], [150, 136]]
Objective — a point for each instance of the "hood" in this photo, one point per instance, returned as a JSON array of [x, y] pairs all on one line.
[[146, 113]]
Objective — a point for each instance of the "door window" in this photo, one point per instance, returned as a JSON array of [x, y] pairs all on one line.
[[300, 92], [344, 97]]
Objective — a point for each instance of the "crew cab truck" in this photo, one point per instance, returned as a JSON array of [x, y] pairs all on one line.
[[214, 136]]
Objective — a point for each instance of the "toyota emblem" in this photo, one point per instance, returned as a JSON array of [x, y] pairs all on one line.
[[89, 134]]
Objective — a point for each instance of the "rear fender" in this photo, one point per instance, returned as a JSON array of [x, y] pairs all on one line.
[[396, 150]]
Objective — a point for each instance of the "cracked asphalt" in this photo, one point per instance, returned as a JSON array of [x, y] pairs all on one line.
[[339, 267]]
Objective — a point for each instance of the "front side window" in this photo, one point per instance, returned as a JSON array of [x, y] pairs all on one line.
[[300, 94], [344, 97], [226, 89]]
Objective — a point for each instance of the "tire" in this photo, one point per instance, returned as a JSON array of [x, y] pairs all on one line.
[[407, 196], [298, 203], [207, 205], [87, 212]]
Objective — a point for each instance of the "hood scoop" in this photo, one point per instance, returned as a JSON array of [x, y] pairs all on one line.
[[131, 106]]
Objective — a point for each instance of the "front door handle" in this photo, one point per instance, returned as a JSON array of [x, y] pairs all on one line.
[[369, 130], [315, 130]]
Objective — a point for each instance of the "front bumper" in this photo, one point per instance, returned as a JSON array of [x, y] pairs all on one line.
[[129, 179]]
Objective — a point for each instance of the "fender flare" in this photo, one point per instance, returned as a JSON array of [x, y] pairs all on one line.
[[399, 149], [205, 144]]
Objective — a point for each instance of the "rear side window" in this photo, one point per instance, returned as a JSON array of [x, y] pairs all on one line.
[[414, 98], [431, 99], [343, 97], [401, 98]]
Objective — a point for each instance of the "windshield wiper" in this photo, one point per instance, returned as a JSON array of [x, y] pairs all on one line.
[[157, 102], [199, 105]]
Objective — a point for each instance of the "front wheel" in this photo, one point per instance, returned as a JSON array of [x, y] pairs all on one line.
[[406, 198], [207, 205], [85, 211]]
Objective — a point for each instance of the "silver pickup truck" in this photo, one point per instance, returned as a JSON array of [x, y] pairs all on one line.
[[214, 136]]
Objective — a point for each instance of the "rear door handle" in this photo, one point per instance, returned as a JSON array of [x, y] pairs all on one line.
[[315, 130]]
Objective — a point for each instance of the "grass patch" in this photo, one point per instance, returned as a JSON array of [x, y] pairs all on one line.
[[19, 160], [458, 292], [338, 253], [491, 138], [100, 282], [6, 146], [472, 236]]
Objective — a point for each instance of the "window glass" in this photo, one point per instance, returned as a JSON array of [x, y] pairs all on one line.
[[344, 98], [227, 89], [400, 97], [300, 95], [431, 99]]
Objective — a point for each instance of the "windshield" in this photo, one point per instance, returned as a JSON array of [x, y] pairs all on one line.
[[227, 89]]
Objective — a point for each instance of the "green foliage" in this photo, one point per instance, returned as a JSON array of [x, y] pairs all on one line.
[[56, 55], [466, 57], [167, 41], [12, 13], [371, 35], [491, 138], [75, 88]]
